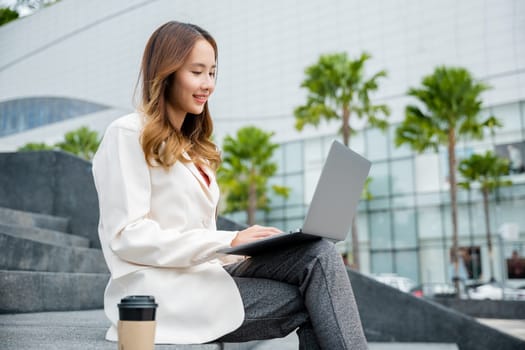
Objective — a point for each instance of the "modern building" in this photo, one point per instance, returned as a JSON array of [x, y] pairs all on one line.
[[76, 63], [406, 227]]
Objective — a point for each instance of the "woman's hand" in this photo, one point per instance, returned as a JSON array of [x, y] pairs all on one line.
[[254, 233]]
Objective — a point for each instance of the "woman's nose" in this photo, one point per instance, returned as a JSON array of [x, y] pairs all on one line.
[[208, 82]]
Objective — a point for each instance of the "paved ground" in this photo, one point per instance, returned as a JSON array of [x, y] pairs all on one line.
[[290, 343], [84, 330], [512, 327], [75, 330]]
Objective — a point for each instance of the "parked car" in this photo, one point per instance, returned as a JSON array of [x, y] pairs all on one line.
[[494, 291], [432, 290], [404, 284], [514, 293]]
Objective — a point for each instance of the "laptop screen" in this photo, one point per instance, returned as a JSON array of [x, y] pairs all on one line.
[[337, 193]]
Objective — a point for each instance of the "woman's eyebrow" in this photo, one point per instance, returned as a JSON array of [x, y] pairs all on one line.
[[202, 65]]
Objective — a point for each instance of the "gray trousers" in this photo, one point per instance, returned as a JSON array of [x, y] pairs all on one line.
[[305, 287]]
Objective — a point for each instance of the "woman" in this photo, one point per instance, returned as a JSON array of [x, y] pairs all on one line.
[[155, 177]]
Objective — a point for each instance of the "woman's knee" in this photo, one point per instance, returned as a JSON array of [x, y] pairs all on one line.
[[326, 249]]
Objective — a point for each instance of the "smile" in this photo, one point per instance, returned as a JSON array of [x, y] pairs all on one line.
[[200, 98]]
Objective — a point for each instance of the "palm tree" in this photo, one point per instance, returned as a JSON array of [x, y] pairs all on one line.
[[337, 90], [245, 171], [487, 170], [82, 142], [450, 101], [365, 195]]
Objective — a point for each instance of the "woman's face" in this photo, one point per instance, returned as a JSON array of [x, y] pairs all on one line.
[[194, 82]]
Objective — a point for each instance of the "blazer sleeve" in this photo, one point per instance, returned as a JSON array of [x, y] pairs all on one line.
[[122, 179]]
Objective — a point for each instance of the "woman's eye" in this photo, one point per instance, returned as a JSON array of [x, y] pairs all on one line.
[[196, 73], [212, 74]]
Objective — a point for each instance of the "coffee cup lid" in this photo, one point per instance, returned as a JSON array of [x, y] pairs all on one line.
[[138, 302]]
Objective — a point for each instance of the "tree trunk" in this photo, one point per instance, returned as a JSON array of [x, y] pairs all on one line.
[[346, 126], [487, 227], [453, 204], [355, 237], [355, 245], [252, 200]]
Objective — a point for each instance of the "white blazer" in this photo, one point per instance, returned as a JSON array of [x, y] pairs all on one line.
[[158, 235]]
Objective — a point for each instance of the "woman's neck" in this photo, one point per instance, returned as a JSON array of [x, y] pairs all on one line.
[[175, 117]]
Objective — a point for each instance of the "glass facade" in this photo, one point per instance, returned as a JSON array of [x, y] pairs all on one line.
[[28, 113], [406, 227]]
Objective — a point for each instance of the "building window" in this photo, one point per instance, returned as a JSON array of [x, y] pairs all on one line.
[[509, 115], [293, 157], [380, 183], [430, 224], [397, 152], [376, 145], [433, 263], [380, 229], [405, 228], [402, 176], [407, 264], [295, 183], [277, 158], [382, 262]]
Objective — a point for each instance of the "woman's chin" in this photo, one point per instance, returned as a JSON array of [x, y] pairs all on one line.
[[197, 111]]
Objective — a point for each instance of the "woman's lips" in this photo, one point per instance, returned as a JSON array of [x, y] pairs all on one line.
[[200, 98]]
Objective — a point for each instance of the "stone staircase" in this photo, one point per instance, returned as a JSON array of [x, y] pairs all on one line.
[[44, 267], [50, 260]]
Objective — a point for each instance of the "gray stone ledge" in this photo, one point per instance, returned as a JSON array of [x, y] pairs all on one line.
[[83, 330], [28, 291], [44, 235], [25, 218], [25, 254]]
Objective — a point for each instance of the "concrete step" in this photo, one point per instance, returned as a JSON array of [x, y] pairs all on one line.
[[29, 255], [226, 224], [28, 219], [29, 291], [85, 330], [389, 315], [44, 235], [512, 327], [80, 330], [412, 346], [291, 342]]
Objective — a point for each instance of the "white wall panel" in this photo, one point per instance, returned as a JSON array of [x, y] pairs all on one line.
[[92, 50]]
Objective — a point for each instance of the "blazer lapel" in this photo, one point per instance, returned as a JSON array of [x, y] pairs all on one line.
[[210, 191], [214, 187]]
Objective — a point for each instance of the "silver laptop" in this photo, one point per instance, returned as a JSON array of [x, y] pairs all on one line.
[[332, 208]]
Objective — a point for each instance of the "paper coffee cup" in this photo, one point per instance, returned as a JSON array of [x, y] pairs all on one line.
[[136, 325]]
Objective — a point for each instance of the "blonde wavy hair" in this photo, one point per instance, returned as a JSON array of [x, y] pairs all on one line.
[[164, 145]]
